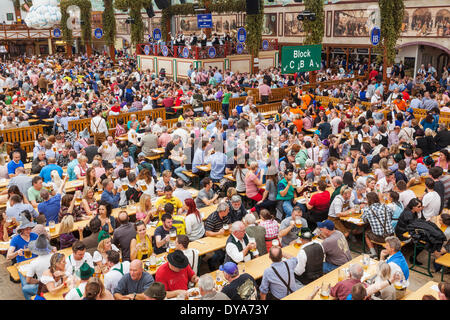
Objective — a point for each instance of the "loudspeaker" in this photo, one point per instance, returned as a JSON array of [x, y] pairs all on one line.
[[150, 11], [182, 1], [162, 4], [252, 6], [298, 1]]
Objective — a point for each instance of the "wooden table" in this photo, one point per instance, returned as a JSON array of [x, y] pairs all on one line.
[[72, 185], [330, 278], [419, 189], [67, 252], [122, 138], [204, 245], [205, 168], [58, 295], [426, 289], [229, 177], [312, 130]]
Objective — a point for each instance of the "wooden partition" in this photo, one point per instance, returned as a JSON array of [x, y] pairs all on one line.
[[26, 135]]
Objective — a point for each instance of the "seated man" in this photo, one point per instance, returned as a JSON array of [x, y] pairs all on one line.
[[237, 210], [288, 230], [214, 227], [14, 164], [309, 258], [17, 207], [78, 257], [239, 287], [176, 274], [286, 192], [238, 248], [169, 198], [334, 245], [343, 288], [162, 234], [182, 243], [278, 281], [51, 206], [133, 284], [110, 194], [156, 291], [207, 285], [47, 170], [116, 271], [206, 196], [85, 272]]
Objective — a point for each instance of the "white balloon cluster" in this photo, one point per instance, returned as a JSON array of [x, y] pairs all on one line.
[[43, 14]]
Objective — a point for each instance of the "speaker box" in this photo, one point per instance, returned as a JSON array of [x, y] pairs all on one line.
[[182, 1], [162, 4], [252, 6], [150, 11]]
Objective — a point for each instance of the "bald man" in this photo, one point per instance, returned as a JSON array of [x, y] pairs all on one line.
[[238, 245], [133, 284], [124, 234]]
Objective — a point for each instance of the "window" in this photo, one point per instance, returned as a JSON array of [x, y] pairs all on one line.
[[10, 16]]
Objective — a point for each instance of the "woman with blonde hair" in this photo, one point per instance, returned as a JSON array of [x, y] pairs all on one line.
[[66, 238], [98, 167], [55, 277], [253, 183], [56, 180], [383, 274], [95, 290], [145, 210], [100, 255], [81, 168], [382, 168], [89, 205]]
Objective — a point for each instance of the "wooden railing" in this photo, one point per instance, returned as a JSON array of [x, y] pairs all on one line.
[[26, 135]]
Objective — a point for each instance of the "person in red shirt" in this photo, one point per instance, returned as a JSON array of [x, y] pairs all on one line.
[[175, 274], [373, 74], [318, 206]]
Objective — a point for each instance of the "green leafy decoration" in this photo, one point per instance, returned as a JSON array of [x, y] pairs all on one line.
[[135, 7], [391, 12], [109, 22], [85, 15], [314, 29]]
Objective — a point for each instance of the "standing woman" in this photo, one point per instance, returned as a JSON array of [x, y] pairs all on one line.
[[141, 246], [104, 215], [239, 174]]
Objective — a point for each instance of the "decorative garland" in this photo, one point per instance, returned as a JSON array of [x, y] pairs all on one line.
[[391, 12], [314, 29], [86, 29], [135, 7], [253, 22], [109, 22]]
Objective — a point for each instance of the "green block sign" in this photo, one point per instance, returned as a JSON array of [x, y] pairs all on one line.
[[300, 58]]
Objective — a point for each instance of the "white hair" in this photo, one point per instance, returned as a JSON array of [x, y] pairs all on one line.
[[206, 282], [250, 218], [356, 271], [236, 226]]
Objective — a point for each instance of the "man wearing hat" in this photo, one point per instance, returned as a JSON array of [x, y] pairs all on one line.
[[86, 272], [43, 250], [176, 274], [133, 284], [156, 291], [239, 287], [309, 258], [334, 245], [16, 251]]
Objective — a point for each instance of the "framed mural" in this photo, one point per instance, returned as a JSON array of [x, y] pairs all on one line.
[[292, 26], [222, 24], [270, 24], [351, 23], [187, 25], [426, 22], [121, 26]]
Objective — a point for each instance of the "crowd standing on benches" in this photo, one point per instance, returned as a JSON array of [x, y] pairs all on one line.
[[288, 180]]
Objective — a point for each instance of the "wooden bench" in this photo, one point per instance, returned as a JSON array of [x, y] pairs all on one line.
[[444, 261], [26, 135], [13, 273]]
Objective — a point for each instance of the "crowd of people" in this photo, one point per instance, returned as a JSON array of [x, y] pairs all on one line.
[[288, 180]]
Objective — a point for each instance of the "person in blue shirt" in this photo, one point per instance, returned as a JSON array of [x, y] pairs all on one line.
[[71, 166], [110, 194], [218, 161], [50, 206], [17, 207], [14, 164], [47, 170], [16, 251]]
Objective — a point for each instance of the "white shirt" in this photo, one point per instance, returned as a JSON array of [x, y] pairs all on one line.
[[406, 196], [383, 186], [97, 257], [183, 134], [335, 125], [101, 123], [193, 256], [112, 278], [39, 265], [431, 204], [396, 268], [337, 206], [301, 259], [182, 194], [110, 152], [73, 294], [194, 228], [73, 265], [234, 253]]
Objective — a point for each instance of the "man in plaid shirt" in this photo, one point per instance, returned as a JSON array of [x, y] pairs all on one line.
[[379, 216]]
